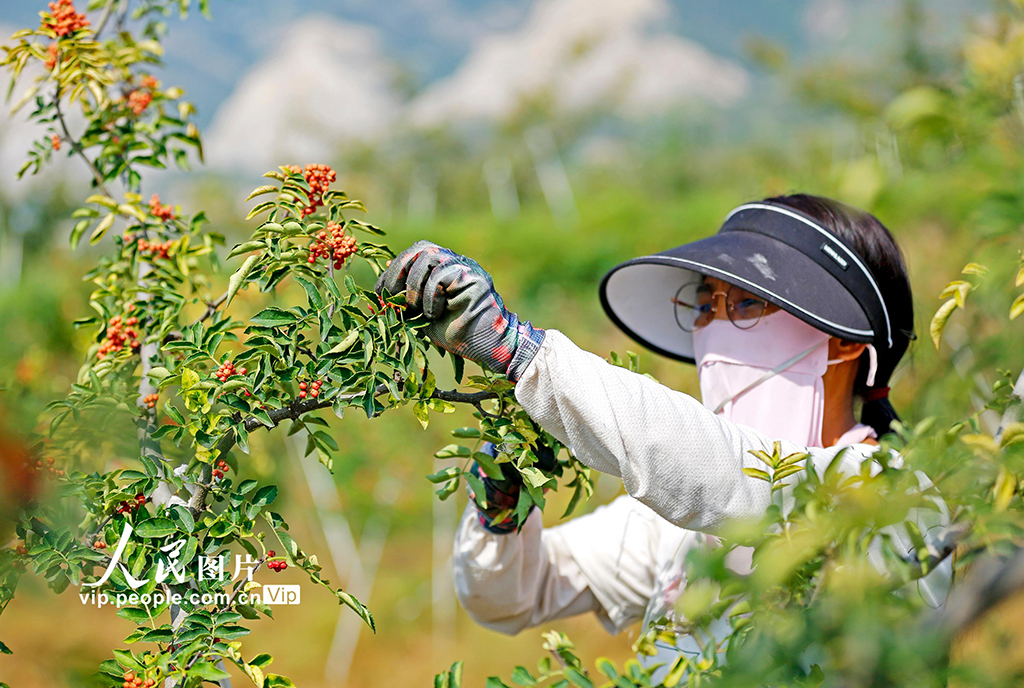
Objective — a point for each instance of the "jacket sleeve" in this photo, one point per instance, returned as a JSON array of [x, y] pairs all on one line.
[[672, 454], [602, 562]]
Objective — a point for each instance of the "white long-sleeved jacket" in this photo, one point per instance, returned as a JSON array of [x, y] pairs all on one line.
[[682, 467]]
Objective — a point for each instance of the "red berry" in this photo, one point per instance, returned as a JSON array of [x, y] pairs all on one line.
[[302, 385], [271, 553], [302, 395]]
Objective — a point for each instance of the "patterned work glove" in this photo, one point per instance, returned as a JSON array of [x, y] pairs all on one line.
[[503, 495], [467, 316]]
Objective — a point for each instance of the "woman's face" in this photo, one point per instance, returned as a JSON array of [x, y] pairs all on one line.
[[719, 300]]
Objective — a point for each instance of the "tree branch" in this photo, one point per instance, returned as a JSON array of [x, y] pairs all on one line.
[[992, 582], [212, 306], [105, 18], [293, 411], [77, 148]]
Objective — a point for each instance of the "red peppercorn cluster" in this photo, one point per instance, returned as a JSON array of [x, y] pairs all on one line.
[[52, 55], [127, 507], [20, 550], [276, 565], [51, 472], [138, 101], [162, 212], [118, 335], [150, 400], [312, 390], [221, 469], [332, 244], [55, 140], [154, 249], [133, 681], [63, 18], [99, 544], [319, 178], [149, 81], [226, 370]]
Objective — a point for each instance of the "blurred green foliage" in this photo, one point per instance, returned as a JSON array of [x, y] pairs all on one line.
[[931, 142]]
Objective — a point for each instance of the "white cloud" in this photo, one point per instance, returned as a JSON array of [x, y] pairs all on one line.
[[827, 20], [586, 53], [325, 83]]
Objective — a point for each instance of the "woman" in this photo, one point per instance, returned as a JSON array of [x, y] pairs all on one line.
[[797, 306]]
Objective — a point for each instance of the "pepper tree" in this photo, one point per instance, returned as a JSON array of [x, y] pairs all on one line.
[[177, 382]]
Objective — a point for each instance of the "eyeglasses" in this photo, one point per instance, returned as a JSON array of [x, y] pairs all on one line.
[[696, 305]]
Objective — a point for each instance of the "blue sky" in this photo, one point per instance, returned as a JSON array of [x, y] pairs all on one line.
[[427, 37]]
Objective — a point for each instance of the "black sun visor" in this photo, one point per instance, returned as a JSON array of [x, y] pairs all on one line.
[[776, 253]]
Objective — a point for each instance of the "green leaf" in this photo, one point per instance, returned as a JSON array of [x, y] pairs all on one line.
[[4, 649], [259, 190], [101, 229], [274, 317], [453, 451], [315, 299], [221, 529], [260, 208], [185, 517], [479, 491], [757, 473], [445, 474], [246, 247], [523, 677], [534, 476], [239, 277], [208, 671], [156, 528], [422, 413], [357, 606], [127, 659], [459, 368], [577, 678], [158, 373], [265, 495], [1017, 307], [939, 320], [345, 343], [447, 490], [495, 682], [488, 465]]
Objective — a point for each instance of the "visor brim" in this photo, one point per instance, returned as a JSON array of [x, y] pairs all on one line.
[[637, 295]]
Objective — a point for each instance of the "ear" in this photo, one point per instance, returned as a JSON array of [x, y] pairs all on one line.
[[844, 350]]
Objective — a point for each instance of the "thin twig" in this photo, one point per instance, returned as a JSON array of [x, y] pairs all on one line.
[[106, 17], [77, 148], [90, 539], [993, 581], [293, 411], [212, 306]]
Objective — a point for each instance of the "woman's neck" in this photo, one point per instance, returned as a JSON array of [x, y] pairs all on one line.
[[838, 416]]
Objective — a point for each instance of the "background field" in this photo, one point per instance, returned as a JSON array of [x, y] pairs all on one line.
[[811, 119]]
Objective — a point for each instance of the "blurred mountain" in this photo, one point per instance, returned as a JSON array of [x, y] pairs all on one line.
[[583, 54], [326, 82]]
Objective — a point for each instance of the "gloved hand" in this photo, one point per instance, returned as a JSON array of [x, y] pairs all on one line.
[[467, 316], [503, 495]]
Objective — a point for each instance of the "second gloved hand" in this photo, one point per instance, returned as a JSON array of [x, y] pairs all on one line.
[[467, 315]]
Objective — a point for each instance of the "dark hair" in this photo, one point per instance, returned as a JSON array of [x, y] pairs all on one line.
[[869, 238]]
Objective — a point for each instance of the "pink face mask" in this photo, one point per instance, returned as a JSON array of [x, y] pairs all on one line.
[[768, 377]]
